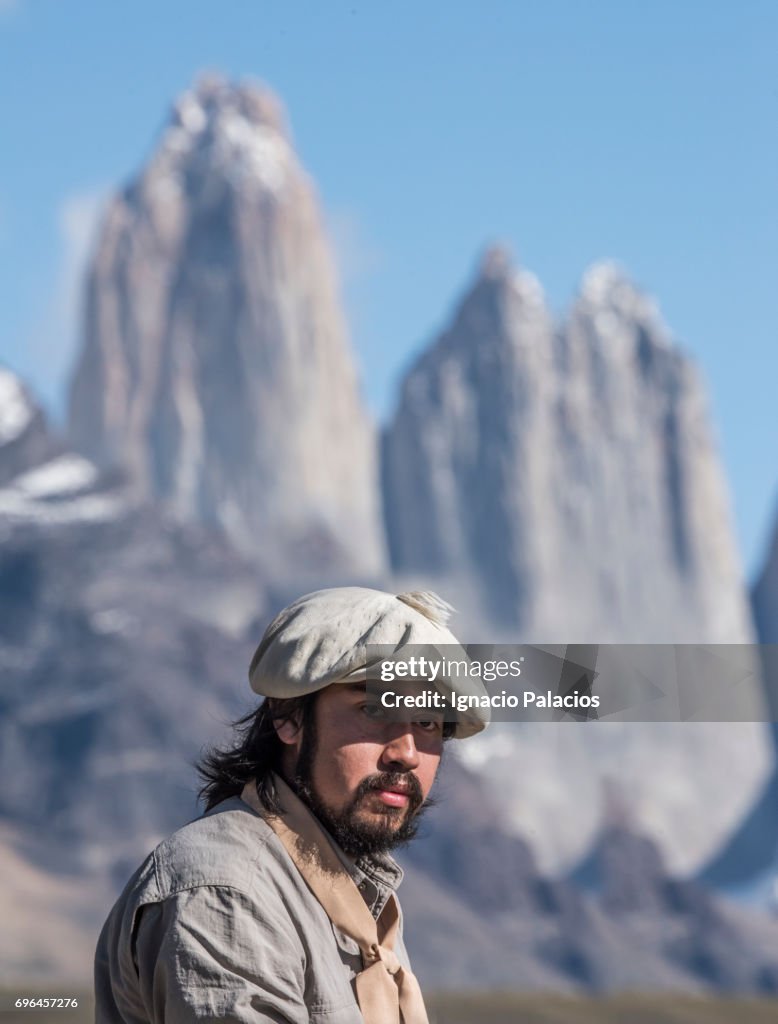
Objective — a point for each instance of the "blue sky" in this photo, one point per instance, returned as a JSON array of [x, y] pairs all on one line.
[[572, 130]]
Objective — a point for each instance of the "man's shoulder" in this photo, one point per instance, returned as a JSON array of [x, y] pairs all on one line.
[[221, 848], [229, 848]]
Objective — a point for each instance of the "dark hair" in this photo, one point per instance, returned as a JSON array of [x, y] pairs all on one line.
[[257, 752]]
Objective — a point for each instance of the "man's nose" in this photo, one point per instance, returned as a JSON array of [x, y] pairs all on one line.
[[400, 751]]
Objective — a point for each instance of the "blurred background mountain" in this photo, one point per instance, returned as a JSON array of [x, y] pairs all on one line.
[[557, 478]]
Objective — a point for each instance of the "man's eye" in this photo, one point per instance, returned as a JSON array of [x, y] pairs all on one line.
[[429, 724], [373, 710]]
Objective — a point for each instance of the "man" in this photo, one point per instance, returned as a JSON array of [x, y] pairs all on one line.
[[278, 904]]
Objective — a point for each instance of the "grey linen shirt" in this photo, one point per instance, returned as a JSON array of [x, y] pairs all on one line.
[[218, 924]]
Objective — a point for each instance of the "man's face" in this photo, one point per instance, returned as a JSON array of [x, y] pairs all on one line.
[[366, 777]]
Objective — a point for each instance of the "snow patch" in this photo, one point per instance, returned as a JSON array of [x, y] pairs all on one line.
[[251, 150], [481, 750], [529, 288], [16, 410], [602, 280], [608, 292], [54, 494], [92, 508], [218, 134], [190, 114], [64, 475]]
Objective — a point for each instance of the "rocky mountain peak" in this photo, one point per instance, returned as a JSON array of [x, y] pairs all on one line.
[[469, 409], [498, 273], [236, 134], [501, 311], [571, 479], [496, 263], [214, 342], [213, 95], [600, 424]]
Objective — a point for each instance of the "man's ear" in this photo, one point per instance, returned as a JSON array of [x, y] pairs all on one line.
[[288, 727], [288, 730]]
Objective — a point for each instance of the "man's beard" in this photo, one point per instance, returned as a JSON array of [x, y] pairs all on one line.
[[354, 835]]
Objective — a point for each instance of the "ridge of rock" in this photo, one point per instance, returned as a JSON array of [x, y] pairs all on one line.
[[562, 484]]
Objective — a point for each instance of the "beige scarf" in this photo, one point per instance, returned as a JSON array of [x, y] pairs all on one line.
[[387, 992]]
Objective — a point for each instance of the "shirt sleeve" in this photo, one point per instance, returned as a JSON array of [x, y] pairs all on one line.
[[214, 953]]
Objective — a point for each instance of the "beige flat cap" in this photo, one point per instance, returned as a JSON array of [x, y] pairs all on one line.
[[329, 636]]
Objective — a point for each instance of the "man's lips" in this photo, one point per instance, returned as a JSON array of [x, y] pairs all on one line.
[[393, 796], [397, 790]]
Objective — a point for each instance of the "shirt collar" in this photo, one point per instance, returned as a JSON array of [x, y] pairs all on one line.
[[376, 876]]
